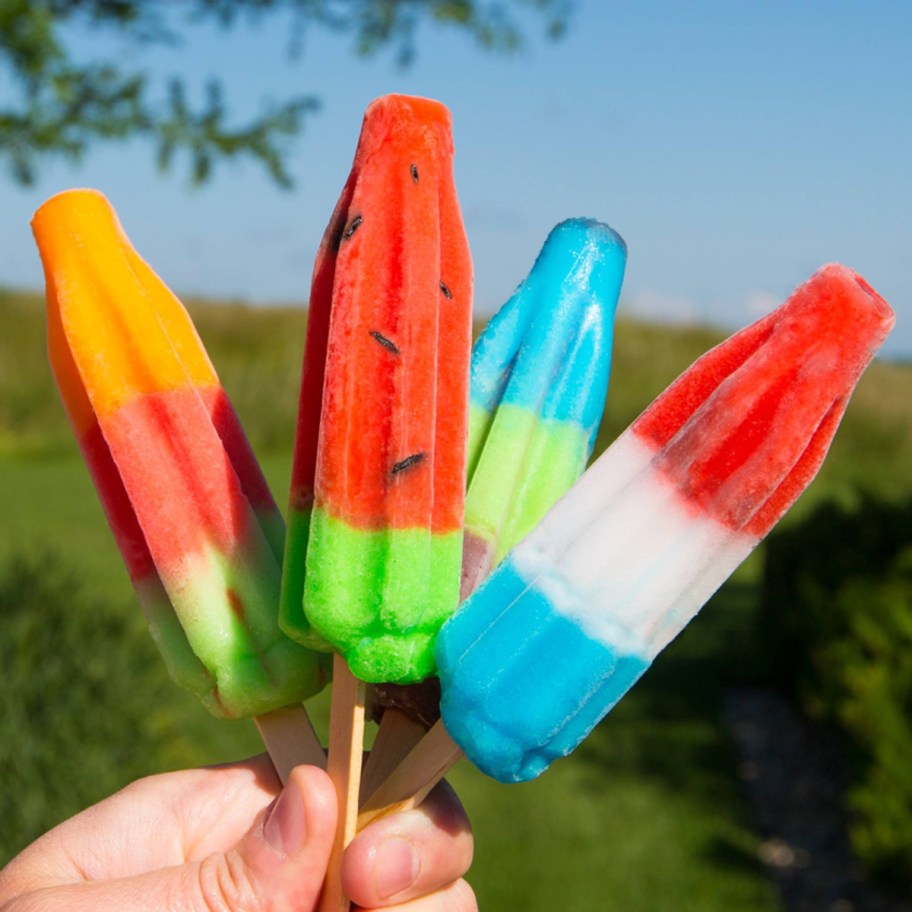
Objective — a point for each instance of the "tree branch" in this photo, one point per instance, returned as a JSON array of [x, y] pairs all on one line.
[[61, 107]]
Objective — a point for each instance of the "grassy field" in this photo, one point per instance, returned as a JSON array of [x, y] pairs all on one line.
[[647, 815]]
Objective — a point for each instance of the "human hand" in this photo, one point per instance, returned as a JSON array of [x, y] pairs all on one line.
[[220, 840]]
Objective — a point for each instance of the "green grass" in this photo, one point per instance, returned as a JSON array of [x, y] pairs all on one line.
[[30, 415], [646, 815]]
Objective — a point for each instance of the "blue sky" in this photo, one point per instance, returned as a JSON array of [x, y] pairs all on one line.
[[736, 146]]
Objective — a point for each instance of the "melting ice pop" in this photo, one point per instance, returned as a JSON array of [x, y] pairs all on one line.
[[191, 512], [630, 555], [379, 474], [580, 608]]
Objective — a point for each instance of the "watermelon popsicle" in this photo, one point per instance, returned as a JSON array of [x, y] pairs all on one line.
[[373, 555], [190, 510], [580, 608]]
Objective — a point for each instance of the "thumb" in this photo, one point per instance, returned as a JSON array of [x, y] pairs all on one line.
[[279, 864]]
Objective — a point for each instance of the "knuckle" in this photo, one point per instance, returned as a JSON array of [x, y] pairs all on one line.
[[224, 885]]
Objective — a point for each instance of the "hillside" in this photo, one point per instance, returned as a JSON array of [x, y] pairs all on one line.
[[257, 352]]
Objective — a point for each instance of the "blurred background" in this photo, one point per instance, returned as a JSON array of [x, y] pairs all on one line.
[[736, 147]]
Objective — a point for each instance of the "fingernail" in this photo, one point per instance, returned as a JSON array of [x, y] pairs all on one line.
[[396, 866], [285, 828]]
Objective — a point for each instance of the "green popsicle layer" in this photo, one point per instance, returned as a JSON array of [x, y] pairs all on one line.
[[232, 654], [380, 596], [546, 457]]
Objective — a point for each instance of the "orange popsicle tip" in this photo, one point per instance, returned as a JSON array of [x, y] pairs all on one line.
[[94, 277]]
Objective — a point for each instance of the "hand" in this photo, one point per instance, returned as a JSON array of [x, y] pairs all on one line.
[[229, 839]]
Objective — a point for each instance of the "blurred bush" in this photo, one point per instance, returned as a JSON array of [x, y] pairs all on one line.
[[31, 417], [81, 706], [836, 613]]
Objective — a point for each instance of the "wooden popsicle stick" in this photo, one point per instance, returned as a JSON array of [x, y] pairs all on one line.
[[397, 734], [426, 764], [290, 739], [346, 749]]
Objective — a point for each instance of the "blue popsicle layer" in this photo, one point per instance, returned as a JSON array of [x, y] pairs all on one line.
[[513, 725], [561, 316]]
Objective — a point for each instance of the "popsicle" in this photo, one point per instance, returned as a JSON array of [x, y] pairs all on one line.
[[580, 608], [379, 473], [378, 482], [191, 512], [539, 378]]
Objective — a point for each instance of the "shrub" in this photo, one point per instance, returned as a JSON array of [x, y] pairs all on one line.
[[837, 614], [82, 690]]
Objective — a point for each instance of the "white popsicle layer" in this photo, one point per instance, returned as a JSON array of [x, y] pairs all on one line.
[[646, 547]]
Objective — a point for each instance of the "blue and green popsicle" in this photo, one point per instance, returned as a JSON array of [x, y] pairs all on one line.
[[539, 378]]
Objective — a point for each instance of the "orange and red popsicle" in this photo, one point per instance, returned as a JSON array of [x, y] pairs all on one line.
[[193, 517]]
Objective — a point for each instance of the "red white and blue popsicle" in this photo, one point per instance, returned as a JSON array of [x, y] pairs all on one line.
[[581, 607]]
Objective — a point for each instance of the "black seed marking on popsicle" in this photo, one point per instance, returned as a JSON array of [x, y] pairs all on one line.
[[413, 168], [408, 462], [388, 344], [446, 292], [353, 227]]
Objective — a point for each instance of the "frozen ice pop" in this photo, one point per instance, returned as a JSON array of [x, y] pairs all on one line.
[[379, 473], [582, 606], [539, 377], [191, 512]]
